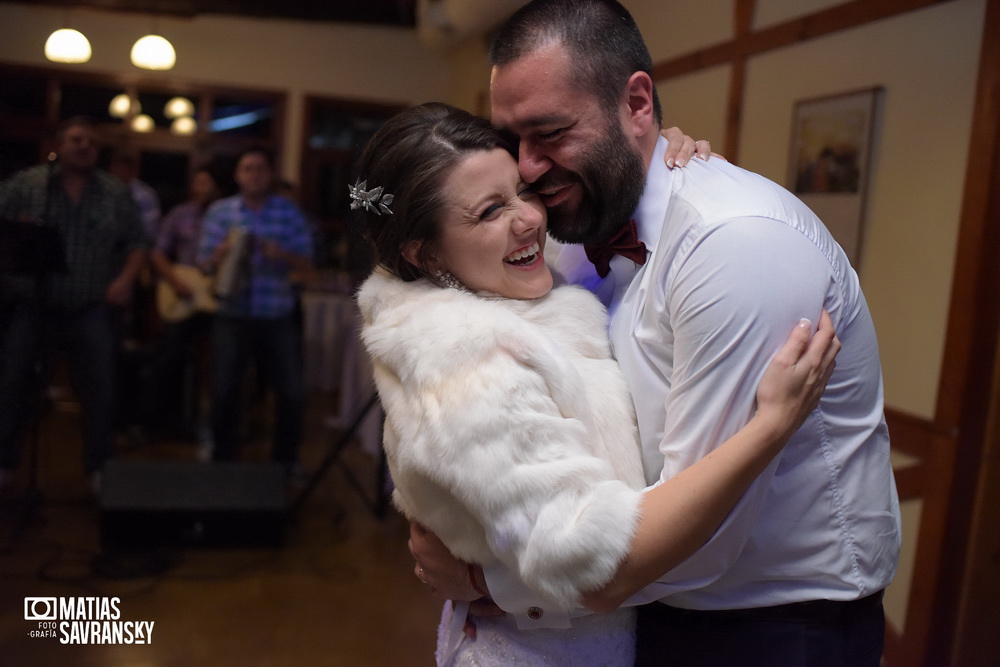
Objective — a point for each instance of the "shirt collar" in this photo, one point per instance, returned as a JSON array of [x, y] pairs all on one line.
[[652, 208], [264, 206]]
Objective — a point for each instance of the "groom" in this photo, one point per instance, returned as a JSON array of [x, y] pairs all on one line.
[[721, 265]]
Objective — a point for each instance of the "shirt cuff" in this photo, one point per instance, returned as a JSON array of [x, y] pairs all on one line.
[[531, 610]]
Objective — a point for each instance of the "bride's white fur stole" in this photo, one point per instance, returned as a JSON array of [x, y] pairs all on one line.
[[509, 431]]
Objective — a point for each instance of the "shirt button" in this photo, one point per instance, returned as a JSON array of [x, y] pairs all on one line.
[[534, 613]]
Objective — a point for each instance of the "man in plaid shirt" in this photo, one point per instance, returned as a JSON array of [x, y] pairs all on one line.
[[259, 317], [77, 310]]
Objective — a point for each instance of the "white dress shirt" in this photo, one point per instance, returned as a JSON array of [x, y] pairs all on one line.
[[734, 262]]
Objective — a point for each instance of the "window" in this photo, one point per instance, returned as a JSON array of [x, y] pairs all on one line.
[[86, 100], [23, 94], [17, 154], [242, 117]]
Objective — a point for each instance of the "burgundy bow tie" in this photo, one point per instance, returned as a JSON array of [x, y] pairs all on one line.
[[625, 243]]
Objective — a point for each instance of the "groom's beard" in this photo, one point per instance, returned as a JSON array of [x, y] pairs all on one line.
[[612, 178]]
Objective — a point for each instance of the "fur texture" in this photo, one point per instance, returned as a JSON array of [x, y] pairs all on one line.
[[509, 431]]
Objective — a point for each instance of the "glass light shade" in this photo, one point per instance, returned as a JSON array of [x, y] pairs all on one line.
[[153, 52], [142, 123], [121, 104], [178, 107], [184, 125], [67, 46]]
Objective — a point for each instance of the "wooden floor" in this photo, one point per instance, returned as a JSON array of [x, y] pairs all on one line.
[[341, 590]]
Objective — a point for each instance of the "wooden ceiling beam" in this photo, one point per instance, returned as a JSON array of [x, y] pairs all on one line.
[[388, 12], [753, 42]]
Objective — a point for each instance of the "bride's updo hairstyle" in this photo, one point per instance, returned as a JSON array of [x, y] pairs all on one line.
[[410, 157]]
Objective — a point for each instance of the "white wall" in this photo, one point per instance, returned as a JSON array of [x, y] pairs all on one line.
[[927, 62], [675, 27], [339, 60], [771, 12]]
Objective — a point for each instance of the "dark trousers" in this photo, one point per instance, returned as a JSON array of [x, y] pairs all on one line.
[[91, 341], [277, 347], [807, 634], [163, 403]]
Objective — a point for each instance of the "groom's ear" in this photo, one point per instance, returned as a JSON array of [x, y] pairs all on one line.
[[639, 97]]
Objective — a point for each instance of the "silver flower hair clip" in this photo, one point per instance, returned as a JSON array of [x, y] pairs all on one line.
[[372, 200]]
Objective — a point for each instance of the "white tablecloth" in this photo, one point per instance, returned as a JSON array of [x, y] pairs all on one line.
[[335, 360]]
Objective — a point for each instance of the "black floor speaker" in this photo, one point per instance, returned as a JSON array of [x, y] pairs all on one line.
[[151, 504]]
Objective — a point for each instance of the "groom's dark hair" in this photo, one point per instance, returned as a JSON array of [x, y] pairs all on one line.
[[601, 36]]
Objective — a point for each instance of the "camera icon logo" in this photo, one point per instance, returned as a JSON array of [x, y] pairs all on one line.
[[40, 609]]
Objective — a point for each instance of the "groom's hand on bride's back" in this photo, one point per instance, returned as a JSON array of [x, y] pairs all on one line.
[[446, 576]]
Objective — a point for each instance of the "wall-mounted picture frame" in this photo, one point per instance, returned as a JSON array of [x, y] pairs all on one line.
[[831, 151]]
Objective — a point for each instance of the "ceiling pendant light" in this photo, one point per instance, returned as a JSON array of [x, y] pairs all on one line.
[[121, 105], [67, 46], [153, 52], [184, 125], [178, 107], [142, 123]]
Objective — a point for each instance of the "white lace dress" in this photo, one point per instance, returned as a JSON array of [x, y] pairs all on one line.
[[598, 640]]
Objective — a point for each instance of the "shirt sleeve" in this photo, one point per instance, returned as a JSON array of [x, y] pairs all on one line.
[[731, 304], [133, 234], [14, 196], [531, 610], [166, 233], [213, 231], [298, 238]]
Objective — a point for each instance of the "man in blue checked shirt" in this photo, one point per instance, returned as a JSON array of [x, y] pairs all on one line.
[[258, 317]]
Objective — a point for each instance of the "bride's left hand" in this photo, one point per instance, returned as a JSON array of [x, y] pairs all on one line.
[[681, 148], [796, 377]]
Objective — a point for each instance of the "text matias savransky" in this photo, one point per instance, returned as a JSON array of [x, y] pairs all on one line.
[[85, 620]]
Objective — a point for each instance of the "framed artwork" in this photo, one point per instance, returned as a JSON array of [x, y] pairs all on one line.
[[832, 144]]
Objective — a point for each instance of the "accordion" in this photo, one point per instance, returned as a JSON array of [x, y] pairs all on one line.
[[234, 271]]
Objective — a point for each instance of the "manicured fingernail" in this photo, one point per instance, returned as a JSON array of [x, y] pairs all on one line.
[[805, 323], [670, 163]]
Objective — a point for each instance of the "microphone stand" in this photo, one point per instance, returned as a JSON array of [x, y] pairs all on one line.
[[380, 502]]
